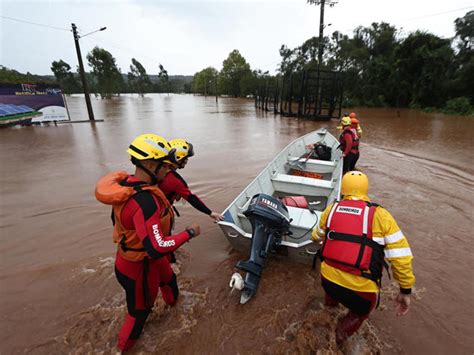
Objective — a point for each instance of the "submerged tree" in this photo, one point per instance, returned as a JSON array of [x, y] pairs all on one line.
[[108, 76], [138, 79], [64, 76], [205, 81], [235, 75], [164, 79]]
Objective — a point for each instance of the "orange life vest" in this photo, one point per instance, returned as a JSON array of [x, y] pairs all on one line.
[[111, 191]]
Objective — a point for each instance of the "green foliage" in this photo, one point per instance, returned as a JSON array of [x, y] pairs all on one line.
[[424, 63], [463, 77], [206, 82], [104, 69], [12, 76], [459, 105], [235, 75], [164, 79], [66, 79], [138, 80], [383, 69]]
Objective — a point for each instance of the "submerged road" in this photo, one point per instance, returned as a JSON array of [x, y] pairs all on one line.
[[58, 289]]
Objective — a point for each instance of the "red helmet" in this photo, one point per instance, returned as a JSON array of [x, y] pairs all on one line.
[[352, 115]]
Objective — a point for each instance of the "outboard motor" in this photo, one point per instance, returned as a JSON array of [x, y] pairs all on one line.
[[270, 220]]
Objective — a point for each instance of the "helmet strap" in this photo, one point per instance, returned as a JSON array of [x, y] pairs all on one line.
[[154, 180]]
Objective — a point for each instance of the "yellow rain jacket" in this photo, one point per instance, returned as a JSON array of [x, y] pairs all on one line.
[[385, 231]]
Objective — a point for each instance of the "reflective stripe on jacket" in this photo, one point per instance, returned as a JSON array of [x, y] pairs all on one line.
[[348, 245], [386, 232]]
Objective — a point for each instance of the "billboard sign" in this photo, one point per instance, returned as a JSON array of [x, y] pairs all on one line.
[[44, 102]]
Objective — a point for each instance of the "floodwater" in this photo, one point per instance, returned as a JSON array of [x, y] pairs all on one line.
[[58, 290]]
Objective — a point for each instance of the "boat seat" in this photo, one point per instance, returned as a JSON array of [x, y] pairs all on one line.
[[300, 185], [312, 161], [312, 165], [302, 218]]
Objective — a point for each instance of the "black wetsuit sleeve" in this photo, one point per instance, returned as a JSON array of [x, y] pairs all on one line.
[[198, 204]]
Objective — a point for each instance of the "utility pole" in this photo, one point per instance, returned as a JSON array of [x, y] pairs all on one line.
[[82, 73], [331, 3], [215, 87], [321, 34]]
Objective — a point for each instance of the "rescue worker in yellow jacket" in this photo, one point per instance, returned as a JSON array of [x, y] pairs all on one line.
[[355, 123], [143, 218], [358, 238], [340, 127]]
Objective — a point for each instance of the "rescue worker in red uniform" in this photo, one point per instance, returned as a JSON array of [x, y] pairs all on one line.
[[358, 238], [175, 187], [142, 219], [349, 144]]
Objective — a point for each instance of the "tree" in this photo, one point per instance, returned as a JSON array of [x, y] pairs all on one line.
[[64, 76], [424, 64], [463, 76], [108, 76], [138, 79], [235, 71], [205, 81], [164, 79]]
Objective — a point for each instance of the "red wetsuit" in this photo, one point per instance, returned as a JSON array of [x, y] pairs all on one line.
[[350, 148], [141, 270], [174, 187]]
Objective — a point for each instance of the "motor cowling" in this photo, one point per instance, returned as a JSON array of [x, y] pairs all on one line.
[[269, 210]]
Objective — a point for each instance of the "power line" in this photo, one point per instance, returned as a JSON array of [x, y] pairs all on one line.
[[439, 13], [419, 17], [36, 24]]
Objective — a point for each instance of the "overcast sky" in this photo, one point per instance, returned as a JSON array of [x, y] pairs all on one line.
[[189, 35]]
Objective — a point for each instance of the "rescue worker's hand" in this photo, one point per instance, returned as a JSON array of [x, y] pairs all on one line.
[[314, 235], [403, 304], [216, 216], [196, 228], [310, 146]]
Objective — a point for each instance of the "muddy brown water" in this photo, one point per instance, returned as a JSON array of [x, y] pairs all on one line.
[[58, 292]]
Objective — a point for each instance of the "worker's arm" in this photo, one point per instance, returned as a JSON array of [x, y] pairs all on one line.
[[319, 232], [144, 211], [181, 189], [347, 143], [398, 253]]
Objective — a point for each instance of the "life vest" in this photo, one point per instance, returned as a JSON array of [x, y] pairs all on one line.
[[112, 189], [348, 245], [355, 139]]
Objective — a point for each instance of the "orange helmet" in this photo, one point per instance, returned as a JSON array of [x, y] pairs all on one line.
[[354, 121], [352, 115]]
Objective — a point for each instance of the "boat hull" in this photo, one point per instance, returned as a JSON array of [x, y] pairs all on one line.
[[278, 179]]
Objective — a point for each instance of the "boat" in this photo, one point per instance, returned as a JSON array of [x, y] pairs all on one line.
[[276, 213]]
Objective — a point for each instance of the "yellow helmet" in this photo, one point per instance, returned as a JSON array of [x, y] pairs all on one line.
[[346, 121], [150, 146], [355, 183], [183, 148]]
